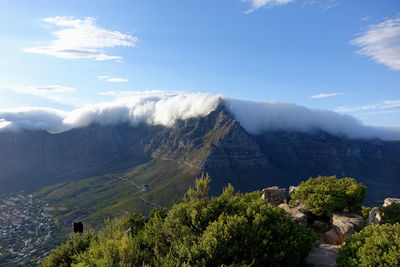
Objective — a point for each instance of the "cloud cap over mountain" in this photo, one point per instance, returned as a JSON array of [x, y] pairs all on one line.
[[165, 108]]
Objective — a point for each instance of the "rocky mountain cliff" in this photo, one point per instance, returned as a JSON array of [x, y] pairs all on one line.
[[215, 143]]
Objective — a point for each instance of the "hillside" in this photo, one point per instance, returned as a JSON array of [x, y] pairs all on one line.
[[83, 166]]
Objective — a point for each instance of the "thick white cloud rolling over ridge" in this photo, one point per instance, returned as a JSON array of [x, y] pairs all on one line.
[[165, 108]]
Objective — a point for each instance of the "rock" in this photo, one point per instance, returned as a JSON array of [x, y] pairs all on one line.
[[333, 237], [345, 225], [320, 226], [299, 214], [275, 195], [374, 216], [322, 256], [389, 201]]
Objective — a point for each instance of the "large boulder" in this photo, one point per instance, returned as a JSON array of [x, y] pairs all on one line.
[[389, 201], [275, 195], [299, 213], [323, 256], [374, 216], [343, 226], [292, 189]]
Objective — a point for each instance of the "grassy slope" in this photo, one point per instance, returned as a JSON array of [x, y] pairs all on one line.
[[93, 199]]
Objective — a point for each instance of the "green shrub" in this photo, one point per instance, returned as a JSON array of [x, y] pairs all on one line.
[[231, 229], [326, 195], [375, 245], [64, 254], [391, 213]]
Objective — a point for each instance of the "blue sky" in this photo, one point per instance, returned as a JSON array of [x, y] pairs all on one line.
[[337, 55]]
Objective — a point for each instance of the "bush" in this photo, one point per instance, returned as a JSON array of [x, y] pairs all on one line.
[[230, 229], [326, 195], [391, 213], [375, 245]]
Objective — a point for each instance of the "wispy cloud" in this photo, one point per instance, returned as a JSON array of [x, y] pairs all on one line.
[[82, 38], [256, 4], [50, 89], [112, 79], [381, 42], [325, 95], [384, 107]]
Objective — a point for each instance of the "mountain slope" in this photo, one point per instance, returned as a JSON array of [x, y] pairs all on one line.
[[171, 157]]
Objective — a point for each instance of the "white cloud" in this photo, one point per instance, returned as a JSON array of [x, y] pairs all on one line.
[[256, 4], [51, 89], [112, 79], [384, 107], [381, 42], [82, 39], [165, 108], [325, 95]]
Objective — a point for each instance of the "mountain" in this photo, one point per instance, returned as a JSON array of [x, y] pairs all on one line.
[[102, 168]]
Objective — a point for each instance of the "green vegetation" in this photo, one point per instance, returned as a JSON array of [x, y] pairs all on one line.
[[326, 195], [96, 198], [375, 245], [391, 213], [231, 229]]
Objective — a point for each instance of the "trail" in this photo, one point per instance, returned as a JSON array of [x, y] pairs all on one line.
[[141, 197]]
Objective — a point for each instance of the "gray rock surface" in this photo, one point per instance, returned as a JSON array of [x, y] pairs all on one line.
[[323, 256], [299, 213], [374, 216], [275, 195], [343, 226]]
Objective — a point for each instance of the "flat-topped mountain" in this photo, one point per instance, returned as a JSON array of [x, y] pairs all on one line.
[[215, 143]]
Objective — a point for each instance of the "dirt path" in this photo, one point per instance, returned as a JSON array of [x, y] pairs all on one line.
[[140, 189]]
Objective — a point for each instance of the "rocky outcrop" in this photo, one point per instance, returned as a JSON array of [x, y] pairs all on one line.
[[343, 226], [390, 201], [374, 216], [299, 213], [274, 195]]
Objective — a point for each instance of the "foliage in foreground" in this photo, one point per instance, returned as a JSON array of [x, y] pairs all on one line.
[[326, 195], [391, 213], [375, 245], [229, 229]]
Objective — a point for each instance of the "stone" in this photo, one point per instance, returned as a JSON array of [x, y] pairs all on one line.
[[345, 225], [333, 237], [389, 201], [374, 216], [321, 226], [274, 195], [299, 214], [323, 256]]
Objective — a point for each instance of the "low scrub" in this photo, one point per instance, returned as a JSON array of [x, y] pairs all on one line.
[[326, 195], [375, 245], [231, 229]]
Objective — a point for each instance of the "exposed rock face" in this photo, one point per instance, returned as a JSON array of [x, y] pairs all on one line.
[[323, 256], [343, 226], [374, 216], [274, 195], [299, 213], [389, 201]]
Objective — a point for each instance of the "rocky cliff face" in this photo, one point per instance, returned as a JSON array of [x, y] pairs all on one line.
[[215, 143]]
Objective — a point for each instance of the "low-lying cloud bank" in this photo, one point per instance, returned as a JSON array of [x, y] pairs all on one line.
[[165, 108]]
